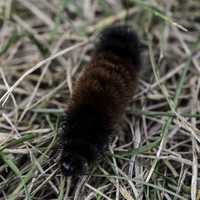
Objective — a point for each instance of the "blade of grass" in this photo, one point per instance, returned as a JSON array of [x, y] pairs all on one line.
[[41, 159], [140, 150], [160, 188], [159, 14], [17, 172], [168, 120], [41, 63], [13, 142], [12, 40]]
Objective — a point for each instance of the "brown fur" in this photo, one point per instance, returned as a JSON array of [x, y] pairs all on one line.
[[107, 83]]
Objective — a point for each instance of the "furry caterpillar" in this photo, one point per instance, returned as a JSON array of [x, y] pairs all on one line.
[[99, 98]]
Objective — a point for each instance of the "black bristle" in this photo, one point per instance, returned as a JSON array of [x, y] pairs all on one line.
[[83, 138], [121, 41]]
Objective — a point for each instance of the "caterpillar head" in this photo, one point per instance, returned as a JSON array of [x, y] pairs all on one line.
[[73, 165]]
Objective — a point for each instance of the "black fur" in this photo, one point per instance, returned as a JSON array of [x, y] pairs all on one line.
[[84, 136], [121, 41]]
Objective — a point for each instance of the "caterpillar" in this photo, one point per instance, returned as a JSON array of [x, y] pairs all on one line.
[[99, 98]]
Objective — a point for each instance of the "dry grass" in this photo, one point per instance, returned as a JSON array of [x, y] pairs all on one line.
[[43, 47]]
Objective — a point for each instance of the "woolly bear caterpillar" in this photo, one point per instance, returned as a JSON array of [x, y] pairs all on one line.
[[99, 98]]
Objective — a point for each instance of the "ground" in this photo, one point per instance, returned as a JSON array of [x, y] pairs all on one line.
[[43, 48]]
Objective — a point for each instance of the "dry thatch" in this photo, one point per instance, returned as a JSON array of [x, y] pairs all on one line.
[[43, 47]]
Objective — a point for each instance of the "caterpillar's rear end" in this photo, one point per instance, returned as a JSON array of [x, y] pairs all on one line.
[[99, 98]]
